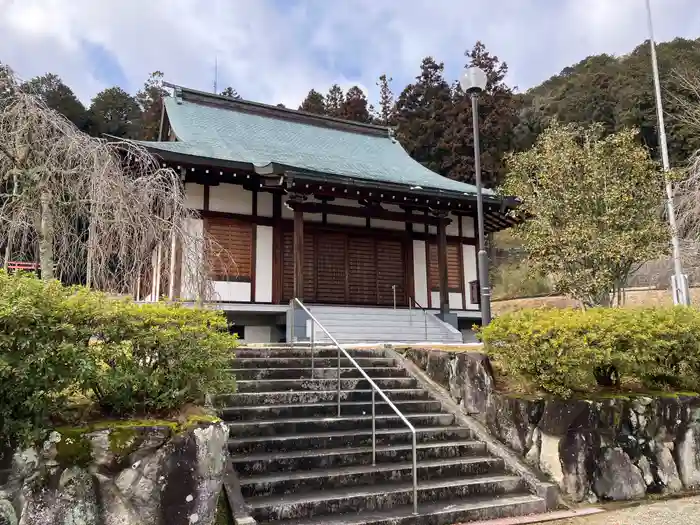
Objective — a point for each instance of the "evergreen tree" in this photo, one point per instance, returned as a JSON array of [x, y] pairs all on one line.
[[314, 103], [115, 112], [421, 116], [150, 100], [334, 101], [387, 104], [498, 116], [354, 107], [58, 96]]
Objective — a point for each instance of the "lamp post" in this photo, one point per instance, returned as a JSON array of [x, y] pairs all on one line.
[[473, 82], [679, 282]]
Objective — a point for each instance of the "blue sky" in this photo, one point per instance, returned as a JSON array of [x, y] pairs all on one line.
[[276, 50]]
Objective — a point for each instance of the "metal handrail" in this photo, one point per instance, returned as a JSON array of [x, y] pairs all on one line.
[[375, 388], [412, 301]]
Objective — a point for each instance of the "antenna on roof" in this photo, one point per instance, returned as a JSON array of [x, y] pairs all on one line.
[[216, 73]]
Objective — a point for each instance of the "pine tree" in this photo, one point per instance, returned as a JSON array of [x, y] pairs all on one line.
[[334, 101], [115, 112], [421, 116], [150, 100], [314, 103], [498, 116], [354, 107], [58, 96], [387, 104]]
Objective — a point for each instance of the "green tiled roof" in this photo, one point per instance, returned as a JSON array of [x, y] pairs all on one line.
[[234, 132]]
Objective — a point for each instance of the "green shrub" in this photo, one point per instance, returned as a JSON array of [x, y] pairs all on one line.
[[157, 357], [57, 342], [42, 352], [567, 351]]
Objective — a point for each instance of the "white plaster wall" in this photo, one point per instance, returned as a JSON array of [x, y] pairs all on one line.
[[230, 198], [231, 291], [470, 272], [194, 196], [432, 230], [257, 334], [435, 299], [263, 264], [192, 253], [468, 227], [453, 227], [455, 301], [420, 279], [265, 204]]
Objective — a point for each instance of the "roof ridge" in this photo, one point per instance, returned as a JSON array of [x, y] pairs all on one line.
[[202, 97]]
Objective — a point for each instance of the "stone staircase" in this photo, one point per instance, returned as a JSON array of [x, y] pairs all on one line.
[[355, 324], [300, 464]]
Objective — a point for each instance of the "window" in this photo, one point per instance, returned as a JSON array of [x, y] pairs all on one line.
[[230, 251]]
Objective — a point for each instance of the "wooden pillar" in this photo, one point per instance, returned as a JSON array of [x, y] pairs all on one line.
[[442, 266], [299, 254]]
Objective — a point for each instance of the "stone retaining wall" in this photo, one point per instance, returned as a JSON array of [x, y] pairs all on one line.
[[620, 448], [118, 476]]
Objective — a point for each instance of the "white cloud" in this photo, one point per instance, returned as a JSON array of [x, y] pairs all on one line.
[[276, 50]]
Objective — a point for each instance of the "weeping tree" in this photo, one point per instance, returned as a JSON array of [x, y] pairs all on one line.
[[93, 211]]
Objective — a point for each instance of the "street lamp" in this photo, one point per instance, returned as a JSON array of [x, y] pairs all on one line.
[[679, 282], [473, 82]]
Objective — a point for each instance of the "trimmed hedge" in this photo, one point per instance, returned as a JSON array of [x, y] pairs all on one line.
[[59, 342], [567, 351]]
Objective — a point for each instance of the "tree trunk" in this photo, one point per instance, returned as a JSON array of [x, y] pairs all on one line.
[[46, 237]]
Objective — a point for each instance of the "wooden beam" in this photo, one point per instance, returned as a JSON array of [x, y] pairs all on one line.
[[299, 254], [442, 267], [364, 212]]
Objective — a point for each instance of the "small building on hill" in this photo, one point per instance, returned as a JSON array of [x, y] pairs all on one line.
[[332, 212]]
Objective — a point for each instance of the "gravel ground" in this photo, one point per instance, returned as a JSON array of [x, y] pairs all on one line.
[[684, 511]]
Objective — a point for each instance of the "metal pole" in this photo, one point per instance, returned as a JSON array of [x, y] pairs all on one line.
[[374, 432], [291, 328], [681, 286], [482, 258], [313, 331], [415, 475], [338, 382]]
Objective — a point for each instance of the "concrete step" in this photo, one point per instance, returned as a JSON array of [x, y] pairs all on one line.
[[297, 460], [305, 362], [314, 396], [299, 351], [329, 409], [316, 373], [277, 385], [354, 438], [275, 426], [359, 475], [437, 513], [379, 497]]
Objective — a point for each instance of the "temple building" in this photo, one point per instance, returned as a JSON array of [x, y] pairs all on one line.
[[332, 212]]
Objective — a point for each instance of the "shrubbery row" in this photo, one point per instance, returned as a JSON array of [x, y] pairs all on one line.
[[58, 343], [567, 351]]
